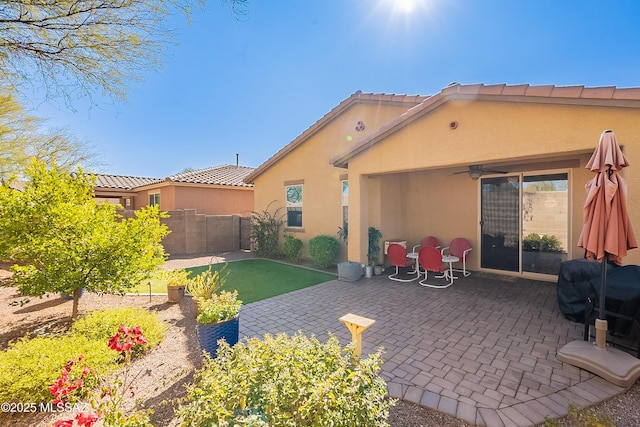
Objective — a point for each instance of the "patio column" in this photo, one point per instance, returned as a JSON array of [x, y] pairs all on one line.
[[358, 218]]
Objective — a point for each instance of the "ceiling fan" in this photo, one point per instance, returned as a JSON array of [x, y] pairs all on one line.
[[476, 171]]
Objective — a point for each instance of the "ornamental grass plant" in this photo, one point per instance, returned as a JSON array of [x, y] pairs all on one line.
[[205, 284]]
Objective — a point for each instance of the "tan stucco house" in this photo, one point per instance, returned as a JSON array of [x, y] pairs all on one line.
[[209, 209], [218, 190], [496, 164]]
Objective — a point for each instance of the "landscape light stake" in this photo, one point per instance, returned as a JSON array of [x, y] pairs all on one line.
[[357, 325]]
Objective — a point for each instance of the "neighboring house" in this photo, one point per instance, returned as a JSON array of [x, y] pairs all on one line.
[[209, 209], [123, 190], [496, 164], [218, 190]]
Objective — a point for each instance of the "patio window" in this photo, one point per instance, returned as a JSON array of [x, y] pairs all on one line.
[[345, 203], [154, 199], [294, 205]]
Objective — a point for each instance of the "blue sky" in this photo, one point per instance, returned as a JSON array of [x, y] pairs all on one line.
[[251, 86]]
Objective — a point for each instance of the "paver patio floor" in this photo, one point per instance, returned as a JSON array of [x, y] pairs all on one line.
[[482, 350]]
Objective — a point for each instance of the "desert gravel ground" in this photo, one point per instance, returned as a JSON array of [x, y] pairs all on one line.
[[164, 371]]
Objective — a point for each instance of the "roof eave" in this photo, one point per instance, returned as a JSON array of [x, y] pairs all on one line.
[[571, 95], [342, 160], [355, 98]]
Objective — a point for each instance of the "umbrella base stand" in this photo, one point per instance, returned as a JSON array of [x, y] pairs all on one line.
[[613, 365]]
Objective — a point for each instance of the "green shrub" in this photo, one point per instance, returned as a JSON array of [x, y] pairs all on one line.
[[287, 381], [324, 250], [218, 308], [100, 325], [292, 248], [30, 366], [544, 243]]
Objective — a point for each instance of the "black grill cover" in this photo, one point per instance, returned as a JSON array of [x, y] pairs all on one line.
[[580, 278], [575, 281]]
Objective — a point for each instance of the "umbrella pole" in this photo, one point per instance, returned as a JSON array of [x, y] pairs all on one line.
[[601, 321]]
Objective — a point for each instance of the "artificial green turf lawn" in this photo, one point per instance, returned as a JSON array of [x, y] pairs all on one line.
[[255, 279]]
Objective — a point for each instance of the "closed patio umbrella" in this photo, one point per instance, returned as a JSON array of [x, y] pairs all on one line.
[[606, 232], [606, 236]]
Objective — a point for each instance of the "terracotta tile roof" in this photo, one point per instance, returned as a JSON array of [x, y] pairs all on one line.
[[357, 97], [218, 175], [609, 95], [123, 182], [549, 91]]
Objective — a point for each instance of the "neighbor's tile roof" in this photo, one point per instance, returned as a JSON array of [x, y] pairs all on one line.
[[123, 182], [218, 175], [357, 97]]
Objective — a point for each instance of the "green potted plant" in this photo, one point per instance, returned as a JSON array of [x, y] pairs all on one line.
[[176, 283], [205, 285], [218, 317], [373, 251]]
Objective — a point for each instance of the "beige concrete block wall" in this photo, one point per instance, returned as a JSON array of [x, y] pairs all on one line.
[[175, 242], [550, 216], [223, 233], [194, 233]]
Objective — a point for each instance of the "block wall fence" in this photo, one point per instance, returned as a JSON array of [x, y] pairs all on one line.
[[194, 233]]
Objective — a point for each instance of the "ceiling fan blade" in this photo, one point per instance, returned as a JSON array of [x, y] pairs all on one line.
[[478, 170]]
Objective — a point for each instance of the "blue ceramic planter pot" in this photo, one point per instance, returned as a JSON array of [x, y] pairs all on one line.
[[209, 334]]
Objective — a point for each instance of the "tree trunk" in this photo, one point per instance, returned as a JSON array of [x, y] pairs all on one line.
[[76, 300]]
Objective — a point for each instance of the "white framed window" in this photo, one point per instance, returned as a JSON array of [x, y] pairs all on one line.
[[154, 199], [294, 205]]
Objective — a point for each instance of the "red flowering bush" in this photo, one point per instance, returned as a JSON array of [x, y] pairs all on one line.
[[108, 404], [64, 387], [83, 420], [125, 339]]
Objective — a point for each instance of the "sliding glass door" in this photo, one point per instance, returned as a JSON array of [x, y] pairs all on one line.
[[524, 222], [500, 223], [545, 222]]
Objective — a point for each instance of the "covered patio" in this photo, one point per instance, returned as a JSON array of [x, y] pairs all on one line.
[[498, 213], [483, 350]]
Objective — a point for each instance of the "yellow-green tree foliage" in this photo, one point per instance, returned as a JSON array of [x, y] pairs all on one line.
[[14, 127], [76, 46], [21, 139], [65, 241]]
